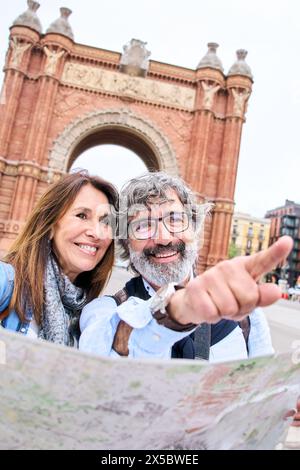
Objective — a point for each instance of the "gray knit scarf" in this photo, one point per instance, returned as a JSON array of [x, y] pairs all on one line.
[[62, 307]]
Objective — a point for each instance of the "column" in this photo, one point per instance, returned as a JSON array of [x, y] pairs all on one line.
[[209, 82], [35, 145], [236, 108], [16, 67]]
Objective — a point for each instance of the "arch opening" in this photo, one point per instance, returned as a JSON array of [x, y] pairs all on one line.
[[114, 163], [119, 127]]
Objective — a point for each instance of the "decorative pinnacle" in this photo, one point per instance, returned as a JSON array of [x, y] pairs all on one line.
[[211, 59], [240, 67], [29, 18], [62, 25]]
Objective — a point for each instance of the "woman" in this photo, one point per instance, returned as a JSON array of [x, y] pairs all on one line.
[[61, 260]]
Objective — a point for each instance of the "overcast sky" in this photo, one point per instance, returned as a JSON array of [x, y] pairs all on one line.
[[177, 32]]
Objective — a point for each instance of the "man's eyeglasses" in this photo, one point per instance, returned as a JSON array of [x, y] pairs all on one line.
[[142, 229]]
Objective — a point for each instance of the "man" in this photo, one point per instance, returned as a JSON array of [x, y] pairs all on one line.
[[166, 310]]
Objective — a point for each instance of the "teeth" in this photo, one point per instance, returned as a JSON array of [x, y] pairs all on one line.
[[92, 249], [166, 255]]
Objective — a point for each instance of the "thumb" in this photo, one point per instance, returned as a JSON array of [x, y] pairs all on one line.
[[266, 260]]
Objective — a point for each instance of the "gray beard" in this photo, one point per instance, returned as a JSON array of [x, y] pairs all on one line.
[[161, 274]]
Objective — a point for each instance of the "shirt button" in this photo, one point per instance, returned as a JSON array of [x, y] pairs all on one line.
[[156, 337]]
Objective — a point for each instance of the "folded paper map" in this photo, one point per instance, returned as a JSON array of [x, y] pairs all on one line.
[[54, 397]]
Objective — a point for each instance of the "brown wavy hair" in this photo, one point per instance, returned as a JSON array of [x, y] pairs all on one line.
[[29, 252]]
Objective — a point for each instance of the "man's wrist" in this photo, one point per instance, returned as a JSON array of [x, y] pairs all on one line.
[[167, 321], [165, 317]]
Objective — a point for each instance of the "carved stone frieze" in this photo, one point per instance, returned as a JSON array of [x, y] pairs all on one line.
[[67, 99], [92, 78], [182, 130]]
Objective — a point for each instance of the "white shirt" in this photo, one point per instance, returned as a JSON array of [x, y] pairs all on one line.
[[100, 318]]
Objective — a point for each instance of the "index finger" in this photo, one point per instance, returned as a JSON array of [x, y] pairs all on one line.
[[264, 261]]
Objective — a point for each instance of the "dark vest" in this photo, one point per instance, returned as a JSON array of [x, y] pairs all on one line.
[[197, 344]]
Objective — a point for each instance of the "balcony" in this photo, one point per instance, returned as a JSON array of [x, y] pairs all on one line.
[[288, 231], [289, 221]]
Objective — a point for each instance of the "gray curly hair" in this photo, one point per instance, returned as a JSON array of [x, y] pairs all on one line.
[[138, 192]]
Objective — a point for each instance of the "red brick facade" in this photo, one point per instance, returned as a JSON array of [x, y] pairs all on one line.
[[60, 98]]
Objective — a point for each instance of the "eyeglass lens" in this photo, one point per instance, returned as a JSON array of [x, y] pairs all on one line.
[[175, 222]]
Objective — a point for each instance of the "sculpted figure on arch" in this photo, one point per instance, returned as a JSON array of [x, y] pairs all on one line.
[[18, 50], [52, 60], [240, 99], [209, 93]]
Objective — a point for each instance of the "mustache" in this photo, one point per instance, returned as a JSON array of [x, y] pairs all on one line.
[[179, 247]]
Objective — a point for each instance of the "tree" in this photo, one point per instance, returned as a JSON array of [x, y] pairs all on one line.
[[233, 251]]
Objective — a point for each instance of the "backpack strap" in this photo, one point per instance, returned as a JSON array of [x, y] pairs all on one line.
[[202, 338], [133, 288], [120, 297], [245, 326], [4, 314], [195, 346]]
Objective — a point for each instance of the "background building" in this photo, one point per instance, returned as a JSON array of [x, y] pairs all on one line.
[[285, 220], [248, 234], [60, 98]]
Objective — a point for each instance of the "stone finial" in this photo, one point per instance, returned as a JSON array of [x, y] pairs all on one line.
[[62, 25], [211, 59], [29, 17], [134, 60], [240, 67]]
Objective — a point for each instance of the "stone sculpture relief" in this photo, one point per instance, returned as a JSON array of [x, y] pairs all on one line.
[[182, 130], [240, 99], [18, 50], [209, 93], [67, 100], [135, 56], [135, 87], [52, 60]]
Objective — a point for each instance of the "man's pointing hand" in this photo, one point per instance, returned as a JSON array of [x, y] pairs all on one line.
[[230, 289]]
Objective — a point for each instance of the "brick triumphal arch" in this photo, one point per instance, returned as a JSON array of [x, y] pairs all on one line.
[[60, 98]]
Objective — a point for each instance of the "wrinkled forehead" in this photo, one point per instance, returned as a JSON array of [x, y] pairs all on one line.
[[156, 206]]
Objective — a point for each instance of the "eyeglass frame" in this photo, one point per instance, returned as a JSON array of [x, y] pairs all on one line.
[[157, 220]]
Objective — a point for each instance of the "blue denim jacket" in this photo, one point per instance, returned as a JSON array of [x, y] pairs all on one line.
[[12, 322]]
